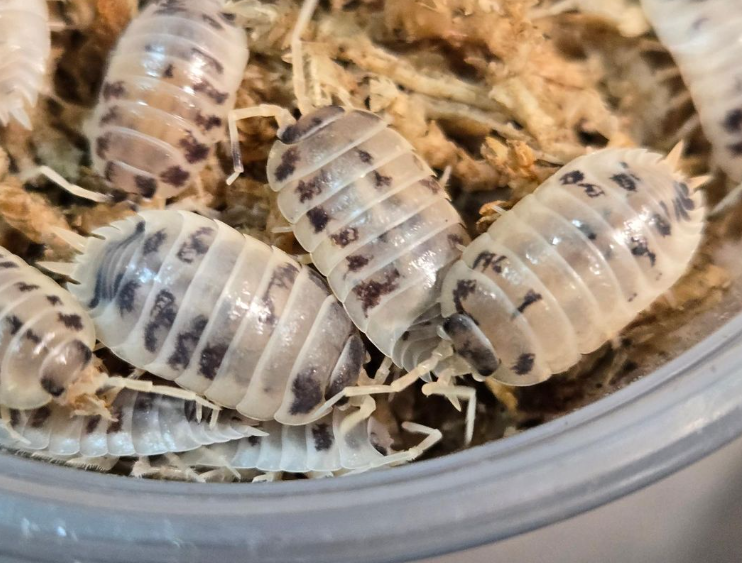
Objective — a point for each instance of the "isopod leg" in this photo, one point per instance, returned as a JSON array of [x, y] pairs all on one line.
[[466, 393], [297, 56], [282, 116], [67, 186], [149, 387]]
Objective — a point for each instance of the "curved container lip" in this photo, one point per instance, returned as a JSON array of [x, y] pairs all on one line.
[[657, 425]]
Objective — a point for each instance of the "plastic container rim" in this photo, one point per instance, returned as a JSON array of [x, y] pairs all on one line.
[[686, 409]]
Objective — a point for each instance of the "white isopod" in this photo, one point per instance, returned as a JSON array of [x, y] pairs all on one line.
[[142, 424], [170, 84], [46, 337], [572, 264], [325, 446], [224, 315], [704, 39], [25, 46], [371, 214]]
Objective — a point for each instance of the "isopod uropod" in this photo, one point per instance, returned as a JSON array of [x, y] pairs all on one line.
[[703, 37], [572, 264], [143, 424], [323, 446], [25, 45], [170, 84], [194, 301], [46, 337], [371, 214]]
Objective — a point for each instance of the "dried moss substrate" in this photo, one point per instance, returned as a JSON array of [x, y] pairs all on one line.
[[501, 91]]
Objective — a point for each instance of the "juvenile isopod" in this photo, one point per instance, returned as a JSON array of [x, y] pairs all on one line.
[[703, 38], [170, 84], [25, 45], [370, 212], [223, 315], [325, 446], [142, 424]]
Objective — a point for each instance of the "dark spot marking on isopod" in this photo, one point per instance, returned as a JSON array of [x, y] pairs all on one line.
[[733, 121], [127, 296], [186, 342], [111, 115], [369, 293], [307, 189], [39, 417], [640, 247], [51, 386], [194, 151], [108, 172], [170, 7], [592, 190], [207, 88], [524, 364], [309, 124], [381, 181], [102, 144], [211, 358], [625, 181], [345, 237], [175, 176], [735, 148], [153, 243], [322, 436], [529, 299], [118, 420], [24, 287], [73, 321], [146, 185], [469, 344], [349, 365], [254, 441], [574, 177], [463, 289], [33, 337], [14, 322], [54, 300], [682, 203], [306, 390], [113, 90], [365, 156], [162, 316], [318, 218], [211, 21], [356, 262], [169, 71], [207, 123], [288, 164], [197, 245], [585, 229], [92, 424], [144, 402], [8, 265], [210, 61], [662, 225], [487, 259], [455, 240], [431, 183]]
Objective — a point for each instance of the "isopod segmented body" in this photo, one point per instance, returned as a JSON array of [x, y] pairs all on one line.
[[26, 45], [46, 337], [703, 37], [194, 301], [324, 445], [143, 424], [163, 106], [375, 221], [571, 264]]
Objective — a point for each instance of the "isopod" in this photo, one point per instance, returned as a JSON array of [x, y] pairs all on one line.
[[25, 43], [142, 424], [46, 337], [324, 446], [224, 315], [703, 38], [170, 84], [370, 212]]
